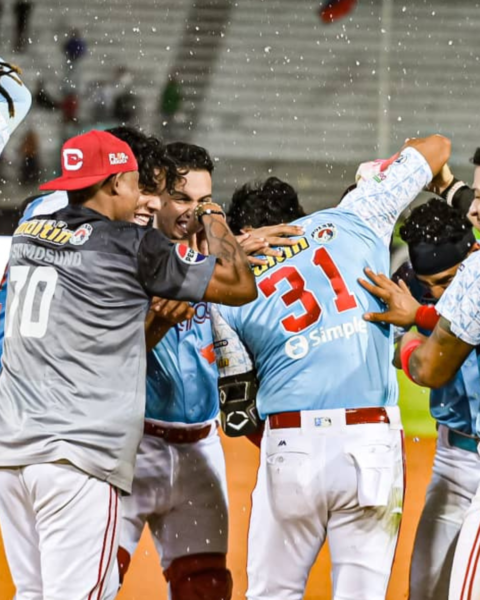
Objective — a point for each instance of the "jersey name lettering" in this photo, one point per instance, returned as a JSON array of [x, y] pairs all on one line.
[[288, 252]]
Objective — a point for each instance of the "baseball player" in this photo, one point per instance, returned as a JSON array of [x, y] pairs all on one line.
[[156, 171], [15, 101], [331, 455], [179, 487], [433, 362], [439, 238], [79, 288]]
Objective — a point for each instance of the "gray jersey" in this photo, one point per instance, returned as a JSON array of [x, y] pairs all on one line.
[[73, 381]]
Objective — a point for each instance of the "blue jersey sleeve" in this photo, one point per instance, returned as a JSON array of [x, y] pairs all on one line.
[[380, 200], [460, 304]]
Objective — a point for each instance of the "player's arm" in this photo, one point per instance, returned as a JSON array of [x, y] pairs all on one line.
[[433, 361], [15, 101], [232, 281], [177, 272], [380, 200]]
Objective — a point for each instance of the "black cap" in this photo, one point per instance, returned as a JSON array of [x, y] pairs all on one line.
[[476, 157]]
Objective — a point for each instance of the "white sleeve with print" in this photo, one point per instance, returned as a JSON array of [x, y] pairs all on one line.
[[460, 304], [380, 200]]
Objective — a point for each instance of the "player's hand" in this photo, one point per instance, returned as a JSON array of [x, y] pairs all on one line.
[[252, 245], [401, 305], [260, 240], [171, 311], [162, 316], [441, 181], [408, 337]]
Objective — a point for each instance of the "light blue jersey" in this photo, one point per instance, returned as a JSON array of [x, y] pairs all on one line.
[[43, 205], [182, 377], [460, 304], [456, 404], [22, 101], [306, 333]]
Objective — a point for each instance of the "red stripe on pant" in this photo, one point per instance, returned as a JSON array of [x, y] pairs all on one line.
[[111, 543], [99, 577], [475, 551]]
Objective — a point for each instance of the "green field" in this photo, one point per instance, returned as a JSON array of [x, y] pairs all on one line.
[[414, 406]]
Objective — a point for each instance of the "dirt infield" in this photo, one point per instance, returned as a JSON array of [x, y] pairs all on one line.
[[145, 581]]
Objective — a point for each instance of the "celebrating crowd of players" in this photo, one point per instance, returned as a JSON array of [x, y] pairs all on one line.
[[127, 268]]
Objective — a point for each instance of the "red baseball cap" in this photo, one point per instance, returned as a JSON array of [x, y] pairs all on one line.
[[91, 157]]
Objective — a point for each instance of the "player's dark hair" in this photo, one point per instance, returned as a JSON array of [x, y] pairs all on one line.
[[263, 203], [190, 156], [434, 222], [151, 155]]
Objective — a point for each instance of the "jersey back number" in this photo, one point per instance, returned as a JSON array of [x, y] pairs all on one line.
[[344, 300], [32, 290]]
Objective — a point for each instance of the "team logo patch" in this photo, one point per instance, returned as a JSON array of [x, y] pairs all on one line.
[[72, 159], [325, 233], [379, 177], [81, 234], [188, 255]]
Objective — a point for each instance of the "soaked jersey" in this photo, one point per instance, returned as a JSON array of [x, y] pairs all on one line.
[[73, 381], [42, 205], [456, 404], [306, 333], [182, 376], [460, 306], [22, 100]]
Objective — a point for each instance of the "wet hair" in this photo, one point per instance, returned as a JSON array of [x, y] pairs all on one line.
[[151, 154], [263, 203], [190, 157], [434, 222]]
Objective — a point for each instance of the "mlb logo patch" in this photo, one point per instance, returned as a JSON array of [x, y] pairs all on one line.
[[189, 255], [325, 233], [323, 422]]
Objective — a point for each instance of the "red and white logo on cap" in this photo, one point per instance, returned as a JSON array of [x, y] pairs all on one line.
[[118, 158], [72, 159]]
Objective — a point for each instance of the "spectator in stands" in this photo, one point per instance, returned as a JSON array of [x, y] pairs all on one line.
[[125, 101], [74, 49], [22, 11], [170, 104]]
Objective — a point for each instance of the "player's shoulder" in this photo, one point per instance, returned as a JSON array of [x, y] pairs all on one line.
[[82, 228], [43, 204]]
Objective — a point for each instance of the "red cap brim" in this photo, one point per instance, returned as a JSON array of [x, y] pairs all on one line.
[[69, 184]]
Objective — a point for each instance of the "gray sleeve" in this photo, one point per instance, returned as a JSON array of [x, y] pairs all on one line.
[[172, 271]]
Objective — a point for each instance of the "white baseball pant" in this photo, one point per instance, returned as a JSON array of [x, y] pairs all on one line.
[[455, 479], [326, 479], [180, 490], [60, 532]]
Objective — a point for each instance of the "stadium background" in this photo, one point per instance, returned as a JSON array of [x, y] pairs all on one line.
[[268, 88]]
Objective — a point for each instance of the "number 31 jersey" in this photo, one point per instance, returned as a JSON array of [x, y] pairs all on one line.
[[306, 333]]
